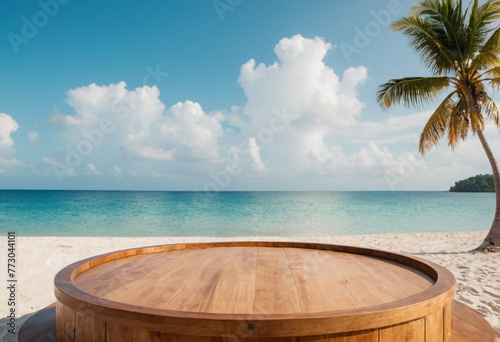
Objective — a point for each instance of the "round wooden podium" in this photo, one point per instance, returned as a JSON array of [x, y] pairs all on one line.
[[255, 292]]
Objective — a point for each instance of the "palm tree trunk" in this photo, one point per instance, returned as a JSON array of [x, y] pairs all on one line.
[[492, 240]]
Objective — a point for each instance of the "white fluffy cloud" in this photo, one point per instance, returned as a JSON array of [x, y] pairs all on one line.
[[303, 84], [188, 132], [254, 155], [114, 124], [295, 103], [380, 160], [7, 126], [8, 162]]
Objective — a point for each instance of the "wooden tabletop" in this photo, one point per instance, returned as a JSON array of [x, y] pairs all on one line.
[[279, 287], [247, 280]]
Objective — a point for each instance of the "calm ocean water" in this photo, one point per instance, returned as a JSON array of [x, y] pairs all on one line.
[[227, 214]]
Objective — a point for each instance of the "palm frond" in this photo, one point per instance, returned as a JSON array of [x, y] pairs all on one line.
[[436, 126], [447, 20], [490, 108], [459, 123], [487, 75], [495, 72], [494, 82], [489, 54], [411, 91], [489, 13], [425, 41], [480, 25]]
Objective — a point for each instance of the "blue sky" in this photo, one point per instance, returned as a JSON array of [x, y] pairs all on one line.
[[212, 95]]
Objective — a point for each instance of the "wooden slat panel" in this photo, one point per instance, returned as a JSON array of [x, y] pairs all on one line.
[[109, 270], [89, 329], [194, 286], [366, 336], [164, 337], [382, 281], [235, 291], [325, 280], [447, 314], [409, 332], [321, 279], [122, 333], [275, 339], [321, 338], [275, 291], [434, 327], [65, 323], [363, 337], [136, 269], [391, 273], [156, 283]]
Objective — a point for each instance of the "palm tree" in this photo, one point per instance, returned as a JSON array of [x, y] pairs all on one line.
[[462, 49]]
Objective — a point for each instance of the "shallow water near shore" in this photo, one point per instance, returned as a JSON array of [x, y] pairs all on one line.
[[229, 214]]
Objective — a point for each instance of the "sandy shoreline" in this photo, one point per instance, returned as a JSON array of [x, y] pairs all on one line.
[[478, 275]]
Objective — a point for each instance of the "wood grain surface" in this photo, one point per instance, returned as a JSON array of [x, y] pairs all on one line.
[[257, 291], [253, 280]]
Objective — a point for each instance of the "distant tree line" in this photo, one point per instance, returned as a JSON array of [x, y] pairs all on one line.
[[479, 183]]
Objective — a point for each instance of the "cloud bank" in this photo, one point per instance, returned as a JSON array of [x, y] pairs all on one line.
[[301, 120], [8, 161]]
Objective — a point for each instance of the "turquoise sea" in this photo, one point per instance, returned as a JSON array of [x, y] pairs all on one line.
[[228, 214]]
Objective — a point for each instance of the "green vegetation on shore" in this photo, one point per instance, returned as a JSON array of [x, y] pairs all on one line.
[[479, 183]]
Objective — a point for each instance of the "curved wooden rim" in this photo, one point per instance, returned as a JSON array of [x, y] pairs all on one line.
[[268, 325]]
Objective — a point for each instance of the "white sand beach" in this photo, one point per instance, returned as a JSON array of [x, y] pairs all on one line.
[[478, 275]]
